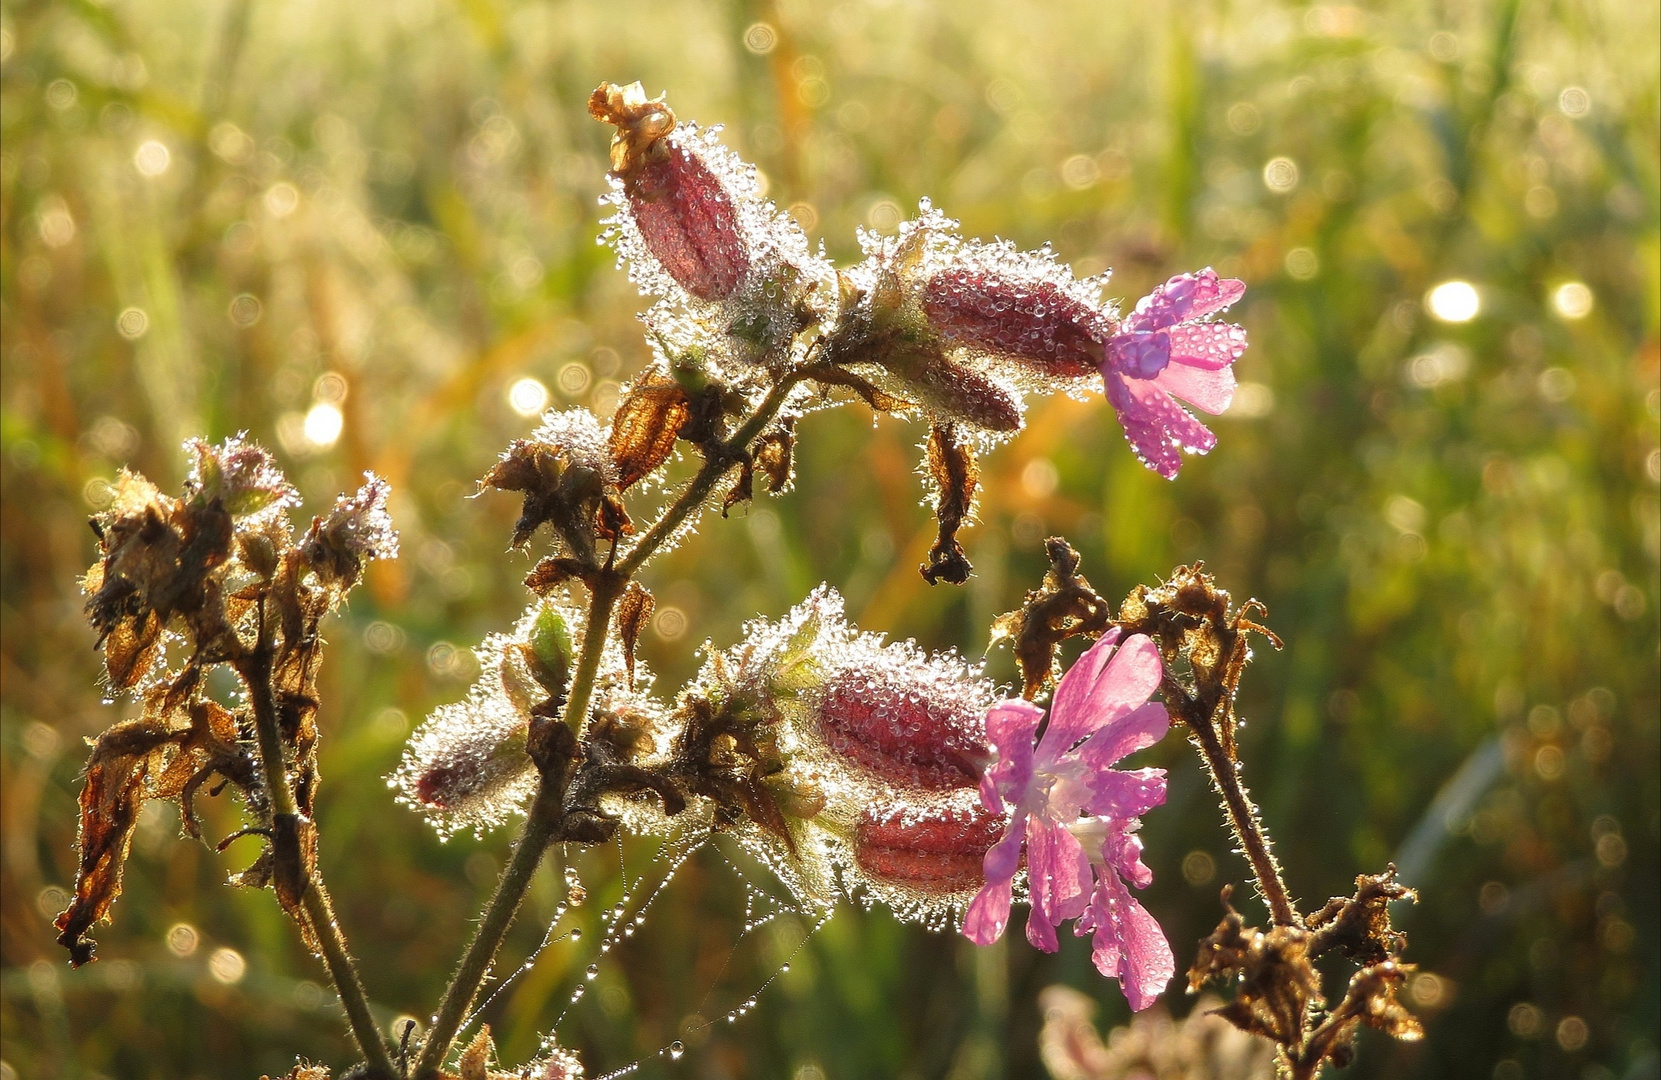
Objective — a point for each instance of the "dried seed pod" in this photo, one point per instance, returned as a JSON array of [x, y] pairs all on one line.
[[934, 851], [1034, 322]]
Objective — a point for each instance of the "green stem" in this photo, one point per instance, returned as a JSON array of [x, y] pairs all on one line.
[[286, 822], [542, 825]]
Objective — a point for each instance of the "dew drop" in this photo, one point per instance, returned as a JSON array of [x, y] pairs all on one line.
[[676, 1050], [784, 969], [593, 970], [576, 933]]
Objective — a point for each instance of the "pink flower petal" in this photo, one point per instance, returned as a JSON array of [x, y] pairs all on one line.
[[1185, 297], [1004, 858], [1129, 794], [1209, 345], [1100, 691], [1143, 428], [1130, 946], [1123, 852], [1040, 934], [988, 913], [1211, 391], [1010, 727], [1136, 730], [1070, 718], [1058, 872]]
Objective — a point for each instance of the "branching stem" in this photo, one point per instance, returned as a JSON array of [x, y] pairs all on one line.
[[547, 812]]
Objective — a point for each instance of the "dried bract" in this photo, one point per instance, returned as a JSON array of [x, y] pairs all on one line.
[[356, 530], [1064, 606], [569, 480]]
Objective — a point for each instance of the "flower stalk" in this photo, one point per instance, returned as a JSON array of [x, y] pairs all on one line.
[[295, 872], [545, 820]]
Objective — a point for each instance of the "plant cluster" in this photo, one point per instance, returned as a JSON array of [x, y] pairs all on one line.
[[853, 767]]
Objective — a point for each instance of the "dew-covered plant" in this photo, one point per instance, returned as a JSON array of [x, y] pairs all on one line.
[[853, 768]]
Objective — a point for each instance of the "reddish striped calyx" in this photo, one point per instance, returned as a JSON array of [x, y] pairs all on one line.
[[1033, 322], [912, 734], [936, 851]]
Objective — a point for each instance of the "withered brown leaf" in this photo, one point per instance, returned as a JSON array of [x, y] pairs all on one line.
[[1359, 925], [643, 432], [158, 755], [634, 610], [1064, 606], [1274, 980], [952, 467]]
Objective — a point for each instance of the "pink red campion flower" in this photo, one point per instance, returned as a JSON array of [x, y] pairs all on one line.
[[1075, 817], [1165, 350]]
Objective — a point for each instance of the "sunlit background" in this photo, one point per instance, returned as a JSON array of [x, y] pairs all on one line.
[[365, 233]]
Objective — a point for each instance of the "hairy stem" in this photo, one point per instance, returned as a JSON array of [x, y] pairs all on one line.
[[542, 826], [289, 858], [1243, 818]]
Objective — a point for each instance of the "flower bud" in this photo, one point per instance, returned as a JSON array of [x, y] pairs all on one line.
[[953, 392], [936, 851], [683, 211], [1034, 322], [549, 649], [477, 773], [906, 721]]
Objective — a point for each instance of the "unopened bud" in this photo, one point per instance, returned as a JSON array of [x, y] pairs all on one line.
[[684, 213], [549, 657], [906, 724], [472, 772], [1035, 323], [935, 851], [955, 393]]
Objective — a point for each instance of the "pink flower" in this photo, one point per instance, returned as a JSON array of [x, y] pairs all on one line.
[[1164, 350], [1075, 817]]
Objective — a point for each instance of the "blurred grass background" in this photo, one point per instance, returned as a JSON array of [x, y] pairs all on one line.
[[234, 214]]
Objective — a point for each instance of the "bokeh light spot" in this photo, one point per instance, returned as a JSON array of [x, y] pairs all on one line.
[[132, 323], [227, 966], [1454, 302], [527, 396], [182, 939], [1280, 175], [152, 157], [1573, 300], [324, 423]]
